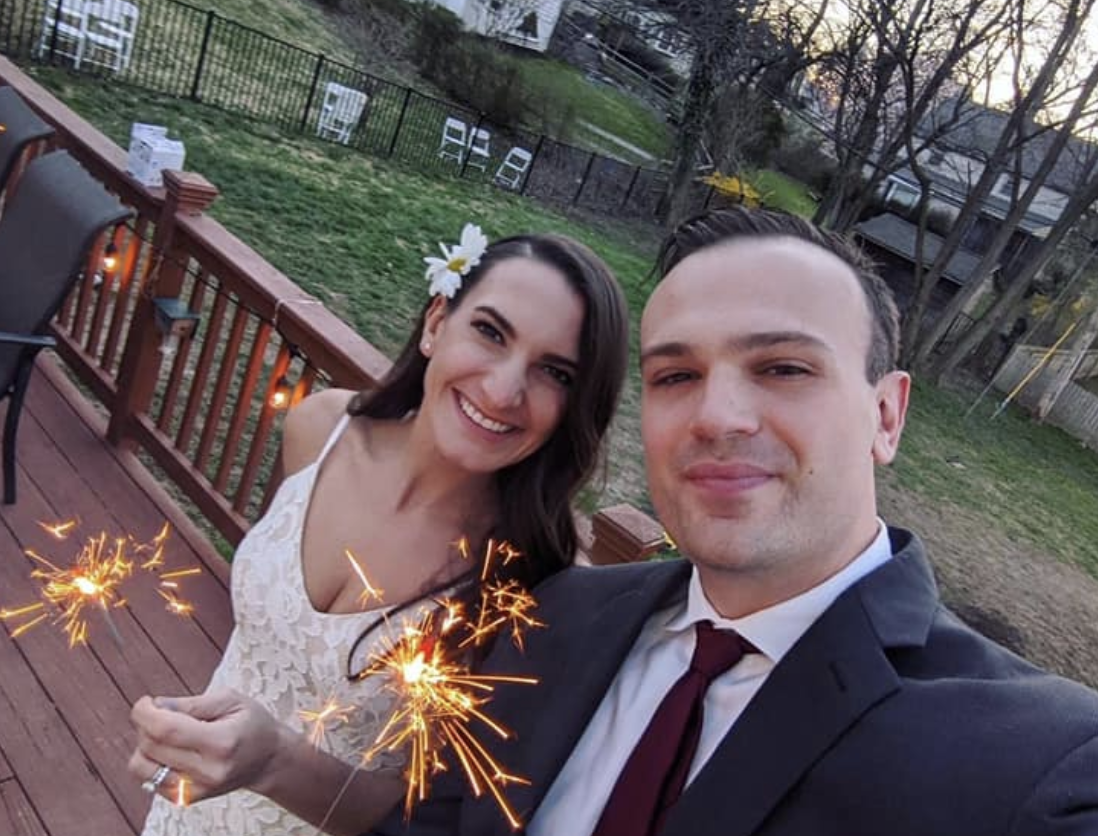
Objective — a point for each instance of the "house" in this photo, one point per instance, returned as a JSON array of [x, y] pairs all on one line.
[[523, 23], [615, 29], [959, 136]]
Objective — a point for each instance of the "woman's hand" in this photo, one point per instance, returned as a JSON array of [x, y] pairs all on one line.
[[218, 742]]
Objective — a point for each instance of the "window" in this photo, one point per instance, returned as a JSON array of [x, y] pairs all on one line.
[[1006, 185], [529, 26], [665, 41]]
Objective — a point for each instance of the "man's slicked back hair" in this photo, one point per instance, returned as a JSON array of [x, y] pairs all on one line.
[[722, 226]]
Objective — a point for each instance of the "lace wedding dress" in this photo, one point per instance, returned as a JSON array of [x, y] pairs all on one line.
[[288, 657]]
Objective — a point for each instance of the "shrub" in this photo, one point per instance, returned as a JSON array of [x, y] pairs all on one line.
[[480, 74], [805, 161]]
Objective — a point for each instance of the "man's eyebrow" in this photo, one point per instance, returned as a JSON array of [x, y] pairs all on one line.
[[746, 342], [504, 325]]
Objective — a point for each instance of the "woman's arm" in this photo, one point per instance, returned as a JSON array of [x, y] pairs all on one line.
[[223, 741]]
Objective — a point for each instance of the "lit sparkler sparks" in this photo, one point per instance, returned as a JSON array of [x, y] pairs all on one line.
[[504, 604], [331, 714], [94, 581], [60, 530], [497, 550], [368, 589], [438, 699], [181, 798]]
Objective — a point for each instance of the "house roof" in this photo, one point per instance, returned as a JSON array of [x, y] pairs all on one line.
[[950, 190], [893, 233], [973, 129]]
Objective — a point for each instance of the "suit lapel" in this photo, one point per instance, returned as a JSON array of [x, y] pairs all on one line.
[[575, 660], [829, 679], [837, 672]]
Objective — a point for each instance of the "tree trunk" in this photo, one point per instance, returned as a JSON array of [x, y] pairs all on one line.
[[1017, 213], [1078, 204], [1029, 102], [699, 95]]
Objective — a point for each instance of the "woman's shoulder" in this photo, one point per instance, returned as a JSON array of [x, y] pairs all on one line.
[[309, 425]]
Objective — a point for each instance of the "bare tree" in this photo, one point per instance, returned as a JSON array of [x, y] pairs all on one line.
[[1032, 91], [1022, 200], [897, 62], [1021, 279], [734, 44]]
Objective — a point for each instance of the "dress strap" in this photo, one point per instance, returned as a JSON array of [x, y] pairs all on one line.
[[340, 426]]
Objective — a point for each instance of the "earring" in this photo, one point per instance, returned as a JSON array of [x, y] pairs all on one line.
[[425, 347]]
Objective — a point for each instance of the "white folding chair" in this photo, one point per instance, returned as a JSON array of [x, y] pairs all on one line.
[[109, 29], [514, 165], [340, 111], [478, 149], [454, 137], [66, 21]]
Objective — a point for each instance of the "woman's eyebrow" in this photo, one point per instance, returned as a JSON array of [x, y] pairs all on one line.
[[504, 324]]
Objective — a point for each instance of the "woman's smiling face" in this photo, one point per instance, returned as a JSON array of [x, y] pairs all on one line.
[[501, 365]]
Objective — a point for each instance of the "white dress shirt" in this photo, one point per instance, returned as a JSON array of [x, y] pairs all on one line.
[[660, 655]]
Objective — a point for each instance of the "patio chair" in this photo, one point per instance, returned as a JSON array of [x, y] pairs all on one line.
[[479, 155], [109, 29], [340, 111], [47, 233], [454, 136], [63, 20], [513, 168], [21, 127]]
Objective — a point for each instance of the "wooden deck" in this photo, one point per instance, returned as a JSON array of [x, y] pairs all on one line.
[[65, 736]]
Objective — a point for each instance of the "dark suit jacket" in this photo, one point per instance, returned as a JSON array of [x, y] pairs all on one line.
[[889, 717]]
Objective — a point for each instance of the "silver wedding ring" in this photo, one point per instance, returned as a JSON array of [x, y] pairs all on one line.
[[153, 784]]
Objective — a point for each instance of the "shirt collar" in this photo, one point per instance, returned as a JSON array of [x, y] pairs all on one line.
[[774, 630]]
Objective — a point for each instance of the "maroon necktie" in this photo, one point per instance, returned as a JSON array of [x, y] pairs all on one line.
[[655, 774]]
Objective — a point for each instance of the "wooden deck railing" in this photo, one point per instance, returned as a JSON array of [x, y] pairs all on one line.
[[204, 414]]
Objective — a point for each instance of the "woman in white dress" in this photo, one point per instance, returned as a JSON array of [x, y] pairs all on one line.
[[488, 423]]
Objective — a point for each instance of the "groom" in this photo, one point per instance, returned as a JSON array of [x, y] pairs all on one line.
[[799, 674]]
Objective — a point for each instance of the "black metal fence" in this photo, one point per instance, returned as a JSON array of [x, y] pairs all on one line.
[[181, 50]]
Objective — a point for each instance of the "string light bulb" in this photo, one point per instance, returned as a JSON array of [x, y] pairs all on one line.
[[110, 258], [281, 394]]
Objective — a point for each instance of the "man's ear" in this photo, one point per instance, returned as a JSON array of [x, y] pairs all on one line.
[[893, 391], [433, 322]]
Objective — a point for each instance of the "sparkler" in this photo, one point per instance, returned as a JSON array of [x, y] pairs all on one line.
[[368, 589], [439, 697], [331, 713], [503, 604], [94, 581]]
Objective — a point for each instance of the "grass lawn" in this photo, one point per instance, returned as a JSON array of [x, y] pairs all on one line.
[[780, 191], [610, 109], [303, 23], [1030, 482], [307, 24], [353, 230]]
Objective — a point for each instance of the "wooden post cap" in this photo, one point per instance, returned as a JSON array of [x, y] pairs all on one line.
[[191, 192], [623, 534]]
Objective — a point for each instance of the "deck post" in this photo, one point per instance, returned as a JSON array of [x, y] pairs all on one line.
[[188, 194], [623, 534]]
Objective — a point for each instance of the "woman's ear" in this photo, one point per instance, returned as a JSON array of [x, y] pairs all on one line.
[[433, 322]]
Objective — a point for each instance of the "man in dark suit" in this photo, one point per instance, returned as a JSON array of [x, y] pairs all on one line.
[[860, 706]]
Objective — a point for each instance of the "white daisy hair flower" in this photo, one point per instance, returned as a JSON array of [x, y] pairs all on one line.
[[445, 273]]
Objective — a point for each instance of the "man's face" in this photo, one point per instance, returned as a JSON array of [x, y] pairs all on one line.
[[760, 428]]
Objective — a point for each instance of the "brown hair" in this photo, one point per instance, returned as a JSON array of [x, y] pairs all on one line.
[[724, 225], [536, 493]]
